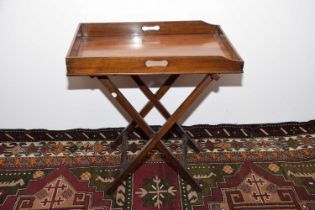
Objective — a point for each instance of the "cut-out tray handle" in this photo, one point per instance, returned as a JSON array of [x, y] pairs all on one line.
[[150, 28], [153, 63]]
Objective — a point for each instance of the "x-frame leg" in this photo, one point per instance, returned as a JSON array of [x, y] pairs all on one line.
[[154, 101], [147, 92], [155, 141], [146, 109]]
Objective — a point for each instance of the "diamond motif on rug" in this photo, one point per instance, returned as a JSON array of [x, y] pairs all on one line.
[[58, 190], [157, 191], [156, 186], [254, 188]]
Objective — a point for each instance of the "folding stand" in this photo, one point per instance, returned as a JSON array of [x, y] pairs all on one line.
[[155, 137], [152, 48]]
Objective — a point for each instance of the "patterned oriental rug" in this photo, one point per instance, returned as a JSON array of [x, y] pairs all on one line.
[[267, 166]]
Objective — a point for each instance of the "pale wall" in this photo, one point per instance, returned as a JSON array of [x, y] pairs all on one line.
[[275, 38]]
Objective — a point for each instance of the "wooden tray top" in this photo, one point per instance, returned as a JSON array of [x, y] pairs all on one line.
[[182, 47]]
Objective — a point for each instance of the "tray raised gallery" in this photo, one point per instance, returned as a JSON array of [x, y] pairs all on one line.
[[179, 47]]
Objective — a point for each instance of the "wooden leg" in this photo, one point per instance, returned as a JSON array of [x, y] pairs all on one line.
[[124, 150], [126, 105], [177, 166], [147, 92], [155, 140], [185, 149], [147, 108]]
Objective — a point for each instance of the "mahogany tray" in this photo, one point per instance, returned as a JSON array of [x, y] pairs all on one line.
[[181, 47]]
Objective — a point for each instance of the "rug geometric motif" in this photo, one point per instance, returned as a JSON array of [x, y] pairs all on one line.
[[60, 189]]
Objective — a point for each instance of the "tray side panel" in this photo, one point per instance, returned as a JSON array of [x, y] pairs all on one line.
[[135, 28], [130, 66], [228, 45], [75, 44]]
